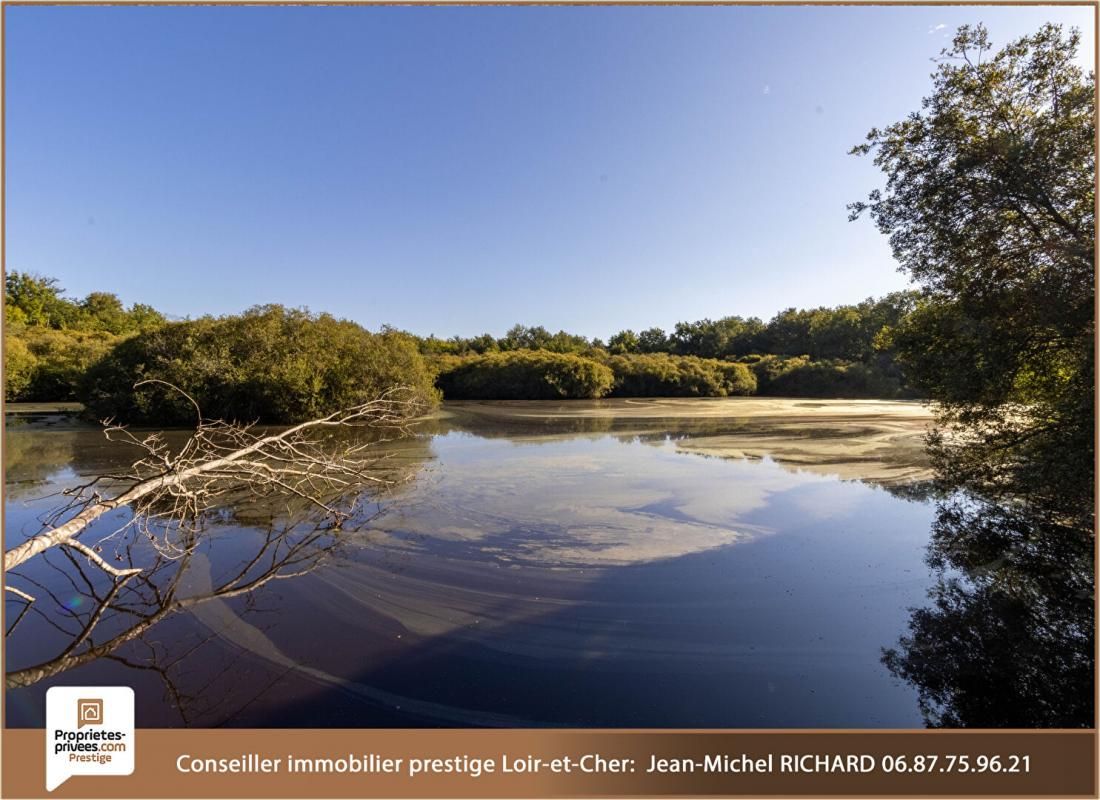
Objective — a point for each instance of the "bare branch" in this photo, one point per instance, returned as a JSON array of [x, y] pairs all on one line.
[[171, 494], [19, 593], [103, 565]]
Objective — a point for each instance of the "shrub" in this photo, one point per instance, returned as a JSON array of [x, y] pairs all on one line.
[[661, 375], [44, 364], [524, 375], [20, 365], [798, 376], [270, 364]]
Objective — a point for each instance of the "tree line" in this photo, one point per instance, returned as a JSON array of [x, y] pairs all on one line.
[[844, 351], [279, 364], [847, 332]]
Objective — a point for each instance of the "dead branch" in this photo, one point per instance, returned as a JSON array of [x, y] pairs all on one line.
[[19, 593], [170, 493]]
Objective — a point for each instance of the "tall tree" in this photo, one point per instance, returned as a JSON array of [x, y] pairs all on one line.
[[35, 300], [989, 205]]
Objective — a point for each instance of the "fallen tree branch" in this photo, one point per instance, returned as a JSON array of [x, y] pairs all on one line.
[[19, 593], [99, 562], [169, 493]]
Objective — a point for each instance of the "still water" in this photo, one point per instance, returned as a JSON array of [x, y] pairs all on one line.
[[681, 564]]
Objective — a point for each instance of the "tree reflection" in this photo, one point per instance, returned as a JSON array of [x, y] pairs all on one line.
[[1008, 639], [113, 617]]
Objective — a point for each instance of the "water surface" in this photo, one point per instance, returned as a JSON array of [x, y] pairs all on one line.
[[664, 564]]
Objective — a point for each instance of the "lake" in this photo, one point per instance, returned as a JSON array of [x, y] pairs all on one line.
[[735, 562]]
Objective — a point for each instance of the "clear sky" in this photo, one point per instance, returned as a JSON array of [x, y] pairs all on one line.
[[457, 170]]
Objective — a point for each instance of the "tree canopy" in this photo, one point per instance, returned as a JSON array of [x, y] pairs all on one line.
[[989, 205], [36, 301]]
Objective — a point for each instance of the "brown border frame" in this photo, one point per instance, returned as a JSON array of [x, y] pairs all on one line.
[[1094, 4]]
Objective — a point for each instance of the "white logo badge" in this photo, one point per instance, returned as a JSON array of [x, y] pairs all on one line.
[[89, 731]]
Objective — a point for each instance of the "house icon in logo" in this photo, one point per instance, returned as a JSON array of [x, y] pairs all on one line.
[[89, 712]]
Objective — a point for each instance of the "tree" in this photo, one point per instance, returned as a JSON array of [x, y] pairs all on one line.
[[38, 300], [144, 318], [788, 333], [623, 342], [61, 359], [989, 206], [521, 337], [652, 340], [838, 333], [483, 343], [664, 375], [62, 337], [564, 342], [104, 311]]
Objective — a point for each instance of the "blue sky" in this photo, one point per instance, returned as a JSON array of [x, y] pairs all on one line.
[[457, 170]]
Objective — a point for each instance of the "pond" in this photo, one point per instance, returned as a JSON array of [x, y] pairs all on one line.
[[680, 563]]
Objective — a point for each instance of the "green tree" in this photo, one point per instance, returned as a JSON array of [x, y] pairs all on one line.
[[699, 338], [788, 333], [484, 343], [104, 311], [652, 340], [834, 333], [62, 357], [989, 205], [39, 300], [141, 317], [623, 342], [563, 342]]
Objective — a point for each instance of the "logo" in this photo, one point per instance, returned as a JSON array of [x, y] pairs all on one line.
[[89, 731], [89, 712]]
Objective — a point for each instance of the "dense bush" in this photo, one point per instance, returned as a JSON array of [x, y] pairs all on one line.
[[19, 368], [802, 377], [270, 364], [524, 375], [50, 340], [45, 365], [61, 358], [661, 375]]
